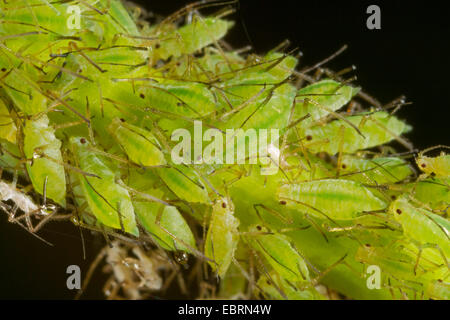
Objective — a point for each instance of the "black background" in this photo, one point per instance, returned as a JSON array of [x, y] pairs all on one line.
[[409, 55]]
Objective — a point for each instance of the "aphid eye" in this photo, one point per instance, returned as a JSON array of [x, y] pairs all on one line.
[[83, 140], [393, 197], [122, 119], [224, 205], [259, 228], [268, 282], [3, 69], [308, 138], [179, 104], [367, 245], [157, 46], [344, 166], [398, 211], [423, 165], [282, 202], [142, 95]]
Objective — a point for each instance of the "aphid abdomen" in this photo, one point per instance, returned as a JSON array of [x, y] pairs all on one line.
[[192, 37], [376, 129], [171, 220], [222, 237], [330, 198], [185, 183], [108, 201], [139, 144], [44, 151]]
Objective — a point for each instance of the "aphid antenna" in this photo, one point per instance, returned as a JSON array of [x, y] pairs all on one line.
[[440, 146], [326, 60]]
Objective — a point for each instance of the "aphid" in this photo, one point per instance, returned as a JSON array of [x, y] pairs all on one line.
[[108, 201], [44, 151], [139, 144], [437, 166], [185, 182], [382, 170], [427, 229], [192, 37], [280, 253], [222, 237], [375, 129], [334, 199], [434, 193], [328, 93], [170, 219]]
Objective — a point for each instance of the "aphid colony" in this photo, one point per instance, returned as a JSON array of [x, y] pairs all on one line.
[[87, 116]]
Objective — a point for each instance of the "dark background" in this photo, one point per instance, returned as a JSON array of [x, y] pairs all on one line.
[[409, 55]]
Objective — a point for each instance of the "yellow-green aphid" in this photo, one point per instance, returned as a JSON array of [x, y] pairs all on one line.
[[185, 182], [336, 199], [327, 96], [192, 37], [222, 236], [139, 144], [108, 201], [434, 193], [383, 170], [374, 129], [422, 226], [280, 253], [44, 151], [170, 219], [438, 166]]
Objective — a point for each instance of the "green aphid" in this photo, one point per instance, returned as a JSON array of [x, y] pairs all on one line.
[[46, 162], [376, 171], [170, 219], [365, 131], [109, 202], [222, 236], [185, 183], [438, 166], [427, 229], [24, 92], [433, 192], [278, 250], [140, 145], [319, 99], [192, 37], [334, 199]]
